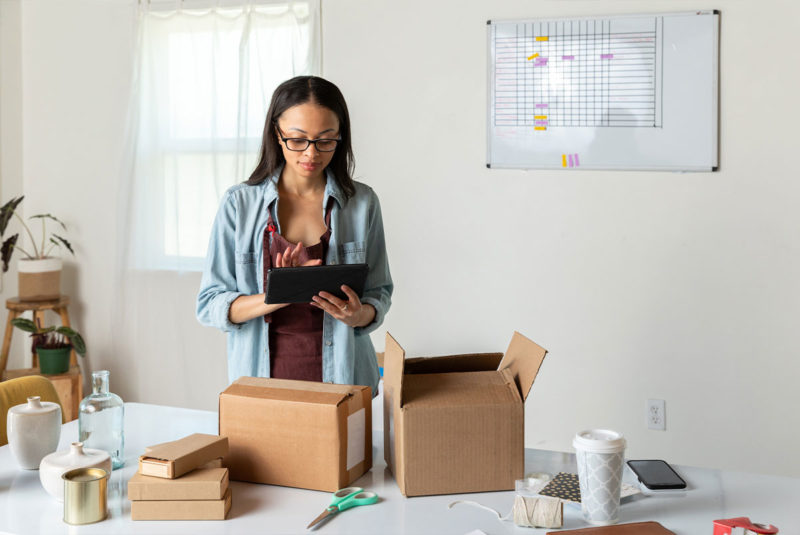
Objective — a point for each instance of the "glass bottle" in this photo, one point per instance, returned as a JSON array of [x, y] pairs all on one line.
[[101, 420]]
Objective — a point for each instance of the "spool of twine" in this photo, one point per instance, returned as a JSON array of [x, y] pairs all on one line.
[[529, 512]]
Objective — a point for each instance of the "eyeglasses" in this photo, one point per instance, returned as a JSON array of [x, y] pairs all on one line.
[[300, 144]]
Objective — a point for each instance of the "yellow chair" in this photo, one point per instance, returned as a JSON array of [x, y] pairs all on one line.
[[16, 392]]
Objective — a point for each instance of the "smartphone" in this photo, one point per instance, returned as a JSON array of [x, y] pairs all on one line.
[[657, 475]]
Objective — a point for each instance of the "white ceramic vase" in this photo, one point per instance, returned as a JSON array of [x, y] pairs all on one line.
[[33, 431], [56, 464]]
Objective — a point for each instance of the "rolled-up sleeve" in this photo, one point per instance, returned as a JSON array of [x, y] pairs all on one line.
[[378, 286], [218, 286]]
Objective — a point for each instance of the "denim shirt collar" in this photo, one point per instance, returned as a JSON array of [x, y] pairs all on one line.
[[332, 188]]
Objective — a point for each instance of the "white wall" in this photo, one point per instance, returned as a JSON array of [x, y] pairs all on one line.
[[680, 287]]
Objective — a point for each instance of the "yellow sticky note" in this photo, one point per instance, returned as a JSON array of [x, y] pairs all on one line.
[[543, 38], [540, 128], [540, 117], [533, 56], [563, 160]]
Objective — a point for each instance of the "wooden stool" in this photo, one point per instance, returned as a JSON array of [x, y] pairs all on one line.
[[16, 308]]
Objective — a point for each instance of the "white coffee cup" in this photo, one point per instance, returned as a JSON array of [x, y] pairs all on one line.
[[600, 455]]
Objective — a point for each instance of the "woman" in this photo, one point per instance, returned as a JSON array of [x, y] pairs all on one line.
[[301, 192]]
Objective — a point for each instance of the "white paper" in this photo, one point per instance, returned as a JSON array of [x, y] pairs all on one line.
[[356, 436]]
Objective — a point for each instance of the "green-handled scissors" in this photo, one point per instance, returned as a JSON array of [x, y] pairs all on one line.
[[345, 499]]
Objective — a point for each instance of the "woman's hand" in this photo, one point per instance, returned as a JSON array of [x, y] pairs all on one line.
[[350, 311], [290, 258]]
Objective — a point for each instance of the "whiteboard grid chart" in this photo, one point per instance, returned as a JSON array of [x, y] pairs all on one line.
[[578, 73], [606, 92]]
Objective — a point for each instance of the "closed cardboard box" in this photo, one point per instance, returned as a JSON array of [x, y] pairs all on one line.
[[182, 509], [456, 424], [296, 433], [200, 484]]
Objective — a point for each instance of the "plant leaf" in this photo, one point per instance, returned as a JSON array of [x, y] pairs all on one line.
[[7, 250], [7, 211], [24, 324], [74, 338], [63, 241], [49, 216]]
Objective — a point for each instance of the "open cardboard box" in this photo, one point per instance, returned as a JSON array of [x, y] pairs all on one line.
[[456, 424]]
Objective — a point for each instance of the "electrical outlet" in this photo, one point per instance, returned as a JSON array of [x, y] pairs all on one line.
[[656, 414]]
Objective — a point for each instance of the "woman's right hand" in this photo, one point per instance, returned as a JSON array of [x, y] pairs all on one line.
[[290, 258]]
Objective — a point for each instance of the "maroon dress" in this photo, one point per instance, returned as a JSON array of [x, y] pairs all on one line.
[[295, 331]]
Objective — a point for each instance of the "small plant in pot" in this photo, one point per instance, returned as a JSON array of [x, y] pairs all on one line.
[[52, 345], [39, 273]]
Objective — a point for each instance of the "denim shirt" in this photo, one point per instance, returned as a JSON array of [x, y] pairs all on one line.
[[234, 267]]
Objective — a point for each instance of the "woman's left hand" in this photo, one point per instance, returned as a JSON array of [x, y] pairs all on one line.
[[350, 311]]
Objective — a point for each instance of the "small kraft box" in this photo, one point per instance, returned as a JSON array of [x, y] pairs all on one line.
[[455, 424], [173, 459], [300, 434]]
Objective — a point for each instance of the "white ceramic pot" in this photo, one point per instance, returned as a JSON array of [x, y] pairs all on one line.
[[40, 279], [33, 431], [56, 464]]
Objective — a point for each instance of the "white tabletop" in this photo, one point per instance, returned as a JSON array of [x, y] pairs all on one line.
[[26, 508]]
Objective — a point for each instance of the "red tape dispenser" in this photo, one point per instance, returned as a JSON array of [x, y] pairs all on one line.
[[742, 526]]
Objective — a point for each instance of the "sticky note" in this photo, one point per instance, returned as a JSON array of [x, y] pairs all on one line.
[[571, 164], [577, 163], [563, 160], [567, 57], [540, 128], [606, 56], [533, 56], [543, 38], [541, 105], [540, 116], [541, 123]]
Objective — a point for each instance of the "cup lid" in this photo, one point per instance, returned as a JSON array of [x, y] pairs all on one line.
[[599, 440]]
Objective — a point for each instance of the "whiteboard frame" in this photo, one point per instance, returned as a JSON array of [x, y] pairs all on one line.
[[715, 88]]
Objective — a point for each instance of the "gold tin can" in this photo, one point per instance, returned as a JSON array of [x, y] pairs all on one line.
[[85, 495]]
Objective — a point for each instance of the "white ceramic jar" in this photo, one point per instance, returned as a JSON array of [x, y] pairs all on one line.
[[56, 464], [33, 431]]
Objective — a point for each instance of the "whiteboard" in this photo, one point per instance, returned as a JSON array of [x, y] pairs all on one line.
[[608, 92]]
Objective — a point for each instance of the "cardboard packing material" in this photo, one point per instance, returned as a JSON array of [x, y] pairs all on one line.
[[455, 424], [182, 509], [173, 459], [200, 484], [297, 433]]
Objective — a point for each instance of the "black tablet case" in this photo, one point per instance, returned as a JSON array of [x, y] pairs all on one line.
[[300, 284]]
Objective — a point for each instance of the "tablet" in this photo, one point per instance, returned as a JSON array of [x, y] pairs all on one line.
[[300, 284]]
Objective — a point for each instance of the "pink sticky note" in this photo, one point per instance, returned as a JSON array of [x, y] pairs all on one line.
[[541, 123], [577, 163], [569, 157], [567, 57], [606, 56], [541, 105]]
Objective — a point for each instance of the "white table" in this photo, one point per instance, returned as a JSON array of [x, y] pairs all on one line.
[[26, 508]]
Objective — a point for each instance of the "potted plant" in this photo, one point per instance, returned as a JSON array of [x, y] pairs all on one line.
[[39, 273], [52, 345]]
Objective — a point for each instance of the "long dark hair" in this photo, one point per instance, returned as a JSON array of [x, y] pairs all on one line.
[[299, 90]]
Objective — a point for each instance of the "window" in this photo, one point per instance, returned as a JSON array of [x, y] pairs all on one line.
[[203, 88]]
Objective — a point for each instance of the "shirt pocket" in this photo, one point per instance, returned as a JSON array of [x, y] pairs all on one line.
[[246, 276], [353, 252]]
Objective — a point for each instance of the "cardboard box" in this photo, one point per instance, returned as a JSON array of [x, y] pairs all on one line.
[[182, 509], [456, 424], [200, 484], [173, 459], [297, 433]]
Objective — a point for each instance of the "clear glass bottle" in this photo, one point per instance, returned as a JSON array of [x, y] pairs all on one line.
[[101, 420]]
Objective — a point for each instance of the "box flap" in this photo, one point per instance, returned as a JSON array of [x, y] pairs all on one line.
[[393, 369], [474, 362], [288, 390], [523, 358]]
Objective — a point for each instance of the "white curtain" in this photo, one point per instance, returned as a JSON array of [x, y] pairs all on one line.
[[202, 84]]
